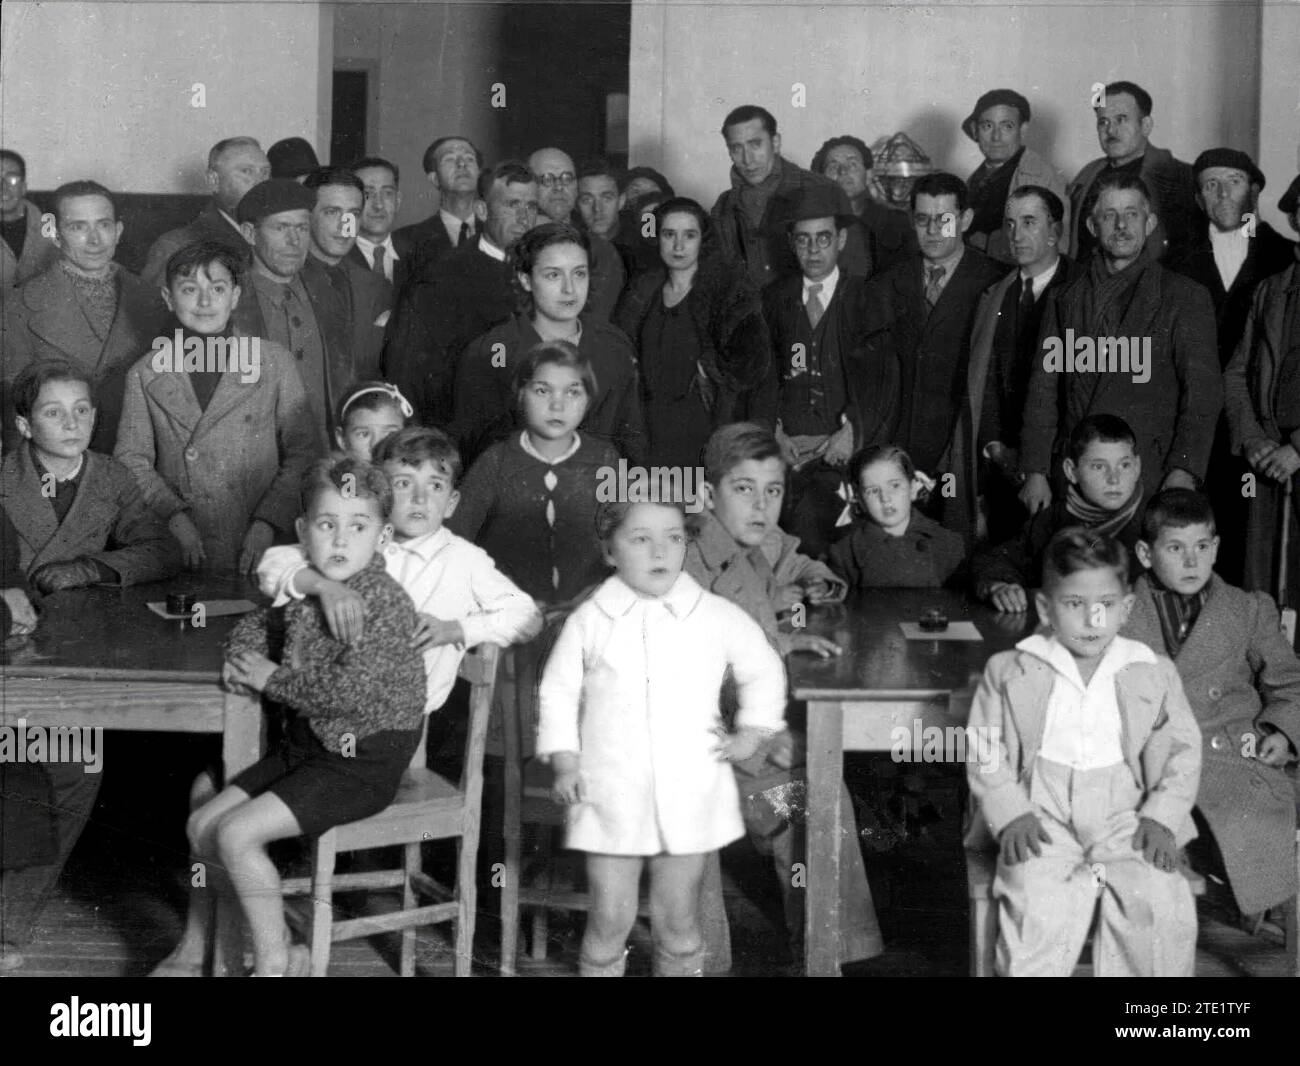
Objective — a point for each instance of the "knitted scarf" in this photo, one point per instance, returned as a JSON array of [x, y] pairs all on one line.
[[1107, 296], [1098, 519]]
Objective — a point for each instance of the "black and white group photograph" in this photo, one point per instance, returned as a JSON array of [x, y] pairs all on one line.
[[677, 488]]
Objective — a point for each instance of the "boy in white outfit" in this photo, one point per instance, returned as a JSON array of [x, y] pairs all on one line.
[[1089, 779]]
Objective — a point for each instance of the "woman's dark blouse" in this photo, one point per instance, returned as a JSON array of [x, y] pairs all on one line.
[[677, 420]]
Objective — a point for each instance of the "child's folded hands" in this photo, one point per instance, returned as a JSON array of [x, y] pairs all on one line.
[[1020, 839], [1156, 842]]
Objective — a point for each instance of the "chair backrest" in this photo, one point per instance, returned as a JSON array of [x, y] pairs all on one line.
[[479, 668]]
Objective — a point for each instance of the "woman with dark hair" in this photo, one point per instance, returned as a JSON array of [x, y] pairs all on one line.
[[698, 326], [552, 273]]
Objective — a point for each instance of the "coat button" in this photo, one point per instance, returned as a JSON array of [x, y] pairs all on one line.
[[191, 454], [1218, 743], [1216, 692]]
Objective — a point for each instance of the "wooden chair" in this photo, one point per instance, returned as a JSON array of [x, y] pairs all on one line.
[[527, 801], [427, 807]]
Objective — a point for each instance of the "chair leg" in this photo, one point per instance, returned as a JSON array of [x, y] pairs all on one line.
[[983, 936], [511, 831], [411, 866], [542, 913], [467, 898], [1293, 933], [322, 902]]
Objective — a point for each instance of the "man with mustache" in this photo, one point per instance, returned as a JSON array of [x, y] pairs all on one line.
[[1122, 291], [381, 249], [1123, 125]]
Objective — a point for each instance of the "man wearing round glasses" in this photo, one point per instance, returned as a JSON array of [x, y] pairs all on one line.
[[827, 397], [557, 188]]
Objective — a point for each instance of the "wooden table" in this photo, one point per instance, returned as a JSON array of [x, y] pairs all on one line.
[[100, 657], [883, 681]]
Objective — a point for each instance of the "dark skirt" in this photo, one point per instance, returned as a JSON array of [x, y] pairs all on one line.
[[324, 788]]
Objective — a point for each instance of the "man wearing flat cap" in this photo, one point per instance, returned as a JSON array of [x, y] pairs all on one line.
[[292, 158], [1124, 125], [1262, 397], [297, 309], [1230, 254], [997, 125], [827, 396]]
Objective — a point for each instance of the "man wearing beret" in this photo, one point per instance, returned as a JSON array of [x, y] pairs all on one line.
[[826, 395], [1123, 125], [997, 125], [1262, 389], [879, 236], [300, 310], [1230, 255]]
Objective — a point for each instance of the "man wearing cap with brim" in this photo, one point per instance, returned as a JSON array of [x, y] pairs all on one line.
[[292, 158], [298, 310], [1230, 255], [826, 395], [1262, 397], [997, 124]]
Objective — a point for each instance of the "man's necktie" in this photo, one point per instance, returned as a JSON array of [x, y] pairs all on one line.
[[1026, 299], [933, 278], [466, 232], [814, 304], [378, 265]]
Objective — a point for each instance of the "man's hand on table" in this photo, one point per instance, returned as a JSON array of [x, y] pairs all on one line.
[[72, 574]]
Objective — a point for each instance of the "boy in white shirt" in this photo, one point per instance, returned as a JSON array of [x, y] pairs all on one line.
[[460, 597], [1088, 780]]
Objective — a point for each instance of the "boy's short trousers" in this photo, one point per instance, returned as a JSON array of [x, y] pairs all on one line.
[[324, 788]]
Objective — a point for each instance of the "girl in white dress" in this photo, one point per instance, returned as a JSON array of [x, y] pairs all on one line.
[[631, 724]]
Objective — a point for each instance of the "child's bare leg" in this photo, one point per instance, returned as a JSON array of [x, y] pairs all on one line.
[[612, 881], [242, 835], [186, 959], [675, 914]]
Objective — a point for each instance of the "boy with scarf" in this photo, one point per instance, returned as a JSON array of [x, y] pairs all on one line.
[[1174, 403], [1103, 473]]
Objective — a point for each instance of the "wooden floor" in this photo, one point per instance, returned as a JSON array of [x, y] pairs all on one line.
[[118, 908], [109, 919]]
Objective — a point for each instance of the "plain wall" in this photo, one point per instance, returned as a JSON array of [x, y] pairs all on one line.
[[874, 70], [437, 65], [103, 90]]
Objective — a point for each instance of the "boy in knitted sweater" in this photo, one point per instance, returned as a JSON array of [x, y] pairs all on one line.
[[356, 708]]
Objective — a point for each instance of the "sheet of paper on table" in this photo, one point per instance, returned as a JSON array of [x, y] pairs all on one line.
[[211, 608], [955, 631]]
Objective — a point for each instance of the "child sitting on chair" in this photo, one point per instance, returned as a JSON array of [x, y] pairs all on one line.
[[1243, 682], [1087, 780], [358, 707], [631, 722]]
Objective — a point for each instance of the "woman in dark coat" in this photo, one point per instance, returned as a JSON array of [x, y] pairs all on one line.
[[698, 327]]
